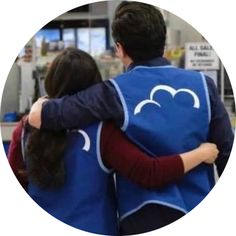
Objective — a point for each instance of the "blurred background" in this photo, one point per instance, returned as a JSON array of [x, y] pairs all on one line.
[[88, 28]]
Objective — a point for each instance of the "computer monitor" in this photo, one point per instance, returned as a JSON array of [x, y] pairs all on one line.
[[92, 40], [69, 38], [50, 35]]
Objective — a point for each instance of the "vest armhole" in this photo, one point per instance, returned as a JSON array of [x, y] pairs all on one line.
[[207, 95], [98, 151], [125, 109], [23, 138]]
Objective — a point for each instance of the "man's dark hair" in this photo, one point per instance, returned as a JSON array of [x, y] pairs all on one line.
[[141, 30]]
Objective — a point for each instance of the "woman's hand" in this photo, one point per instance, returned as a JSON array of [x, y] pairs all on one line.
[[209, 152], [206, 152]]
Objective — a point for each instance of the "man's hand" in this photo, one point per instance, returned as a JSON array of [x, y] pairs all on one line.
[[35, 113]]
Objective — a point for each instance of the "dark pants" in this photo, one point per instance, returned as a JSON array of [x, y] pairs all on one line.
[[150, 217]]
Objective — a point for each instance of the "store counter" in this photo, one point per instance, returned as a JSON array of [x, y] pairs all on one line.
[[7, 129]]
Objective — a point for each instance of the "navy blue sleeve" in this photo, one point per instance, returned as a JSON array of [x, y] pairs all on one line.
[[99, 102], [220, 130]]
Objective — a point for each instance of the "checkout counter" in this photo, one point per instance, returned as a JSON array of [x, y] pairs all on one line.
[[7, 129], [17, 97]]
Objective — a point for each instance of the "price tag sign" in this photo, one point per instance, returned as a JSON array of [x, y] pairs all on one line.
[[201, 56]]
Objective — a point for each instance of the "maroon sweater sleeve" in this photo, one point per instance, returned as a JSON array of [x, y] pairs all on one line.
[[15, 155], [119, 153]]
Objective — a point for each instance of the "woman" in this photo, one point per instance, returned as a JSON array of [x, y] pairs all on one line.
[[70, 173]]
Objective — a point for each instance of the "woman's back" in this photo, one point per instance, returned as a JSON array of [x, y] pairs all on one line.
[[66, 177], [86, 200]]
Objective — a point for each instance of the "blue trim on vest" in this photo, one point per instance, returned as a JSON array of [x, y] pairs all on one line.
[[100, 162], [152, 67], [207, 95], [126, 114], [122, 217]]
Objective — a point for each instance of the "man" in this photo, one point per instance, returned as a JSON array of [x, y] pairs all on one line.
[[161, 108]]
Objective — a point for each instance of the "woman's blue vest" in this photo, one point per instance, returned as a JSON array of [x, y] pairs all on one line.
[[166, 111], [87, 199]]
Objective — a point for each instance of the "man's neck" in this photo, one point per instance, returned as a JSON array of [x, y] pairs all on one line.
[[127, 62]]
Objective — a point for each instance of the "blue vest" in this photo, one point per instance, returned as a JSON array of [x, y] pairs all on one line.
[[166, 111], [87, 199]]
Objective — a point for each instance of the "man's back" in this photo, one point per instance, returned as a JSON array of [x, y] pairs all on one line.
[[163, 107], [166, 110]]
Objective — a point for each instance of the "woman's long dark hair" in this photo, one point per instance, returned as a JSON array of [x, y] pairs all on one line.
[[71, 71]]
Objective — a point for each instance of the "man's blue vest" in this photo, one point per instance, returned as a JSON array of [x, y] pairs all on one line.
[[166, 111], [87, 199]]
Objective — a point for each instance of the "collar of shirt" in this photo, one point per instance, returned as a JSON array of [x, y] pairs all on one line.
[[159, 61]]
